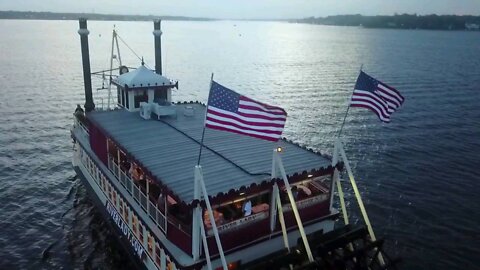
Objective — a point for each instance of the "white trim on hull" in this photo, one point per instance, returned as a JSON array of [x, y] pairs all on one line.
[[148, 262]]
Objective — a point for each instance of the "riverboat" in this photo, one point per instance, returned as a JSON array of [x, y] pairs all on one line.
[[251, 204]]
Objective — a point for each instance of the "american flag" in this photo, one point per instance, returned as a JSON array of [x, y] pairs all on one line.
[[380, 98], [230, 111]]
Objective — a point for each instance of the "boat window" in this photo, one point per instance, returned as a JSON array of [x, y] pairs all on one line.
[[111, 191], [160, 95], [239, 209], [105, 186], [150, 242], [120, 206], [136, 173], [181, 215], [124, 163], [119, 96], [134, 224], [155, 194], [102, 180], [170, 264], [115, 198], [97, 174], [112, 150], [157, 254], [161, 202], [312, 190], [140, 96], [125, 212], [140, 232]]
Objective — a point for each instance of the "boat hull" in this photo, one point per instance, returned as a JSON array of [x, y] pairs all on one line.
[[101, 208], [119, 227], [243, 254]]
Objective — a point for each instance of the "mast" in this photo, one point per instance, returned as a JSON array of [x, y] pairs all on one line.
[[87, 77], [111, 67], [158, 46], [112, 56]]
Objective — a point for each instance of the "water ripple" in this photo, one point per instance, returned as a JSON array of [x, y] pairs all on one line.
[[417, 174]]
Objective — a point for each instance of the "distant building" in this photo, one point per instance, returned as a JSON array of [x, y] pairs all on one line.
[[472, 26], [391, 24]]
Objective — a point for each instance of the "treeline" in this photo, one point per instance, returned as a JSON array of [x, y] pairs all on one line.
[[28, 15], [403, 21]]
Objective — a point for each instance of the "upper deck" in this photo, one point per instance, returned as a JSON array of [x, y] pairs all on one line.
[[168, 150]]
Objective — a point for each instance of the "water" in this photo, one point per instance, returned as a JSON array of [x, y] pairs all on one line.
[[417, 174]]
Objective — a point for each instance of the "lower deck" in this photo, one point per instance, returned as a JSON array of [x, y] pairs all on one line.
[[164, 240], [145, 245]]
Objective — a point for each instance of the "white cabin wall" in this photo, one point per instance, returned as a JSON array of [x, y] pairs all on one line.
[[131, 100], [151, 95]]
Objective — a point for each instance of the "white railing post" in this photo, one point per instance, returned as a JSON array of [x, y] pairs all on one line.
[[294, 207], [156, 217], [273, 207], [147, 195], [165, 216], [118, 159], [163, 260], [274, 168], [334, 163], [212, 218], [276, 205], [336, 180], [282, 220], [196, 216], [273, 201], [205, 243]]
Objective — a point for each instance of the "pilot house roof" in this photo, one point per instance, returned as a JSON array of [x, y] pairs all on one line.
[[142, 77], [168, 149]]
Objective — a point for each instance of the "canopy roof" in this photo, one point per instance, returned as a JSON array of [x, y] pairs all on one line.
[[142, 77], [231, 163]]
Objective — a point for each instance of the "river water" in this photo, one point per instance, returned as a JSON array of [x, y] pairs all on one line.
[[417, 174]]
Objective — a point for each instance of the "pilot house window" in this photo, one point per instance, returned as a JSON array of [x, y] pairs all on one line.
[[160, 95], [140, 96]]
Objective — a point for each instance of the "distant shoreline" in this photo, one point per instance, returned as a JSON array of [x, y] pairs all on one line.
[[403, 21], [30, 15]]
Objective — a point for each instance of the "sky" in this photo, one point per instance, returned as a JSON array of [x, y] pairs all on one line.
[[248, 9]]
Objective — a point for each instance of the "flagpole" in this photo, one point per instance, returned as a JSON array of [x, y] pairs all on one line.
[[348, 108], [344, 118], [203, 132], [339, 151]]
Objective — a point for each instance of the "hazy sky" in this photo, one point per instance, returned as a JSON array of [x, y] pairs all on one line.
[[243, 9]]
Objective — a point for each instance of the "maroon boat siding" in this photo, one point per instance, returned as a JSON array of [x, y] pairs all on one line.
[[308, 213], [251, 233], [180, 238], [98, 143], [240, 237]]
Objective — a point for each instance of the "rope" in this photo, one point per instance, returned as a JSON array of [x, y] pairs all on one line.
[[215, 152], [139, 58], [186, 135]]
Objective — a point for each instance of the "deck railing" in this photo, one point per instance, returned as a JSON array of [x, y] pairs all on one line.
[[78, 121], [138, 195]]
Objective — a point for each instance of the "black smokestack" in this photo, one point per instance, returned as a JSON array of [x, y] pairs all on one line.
[[158, 46], [87, 78]]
